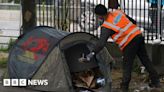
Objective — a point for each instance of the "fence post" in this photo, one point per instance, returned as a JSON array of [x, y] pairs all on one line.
[[28, 14], [159, 19]]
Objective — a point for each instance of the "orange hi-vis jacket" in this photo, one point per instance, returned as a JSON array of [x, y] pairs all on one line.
[[124, 29]]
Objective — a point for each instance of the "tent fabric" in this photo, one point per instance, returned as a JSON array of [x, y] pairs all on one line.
[[56, 72], [41, 54], [30, 51]]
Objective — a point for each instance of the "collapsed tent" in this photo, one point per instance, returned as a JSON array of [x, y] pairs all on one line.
[[46, 53]]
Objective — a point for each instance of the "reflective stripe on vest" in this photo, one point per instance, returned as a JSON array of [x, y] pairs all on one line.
[[118, 28], [122, 38], [126, 38], [111, 25]]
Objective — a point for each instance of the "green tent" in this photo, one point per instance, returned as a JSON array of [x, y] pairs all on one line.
[[47, 53]]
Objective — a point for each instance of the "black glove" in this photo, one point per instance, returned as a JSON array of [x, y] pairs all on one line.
[[87, 57]]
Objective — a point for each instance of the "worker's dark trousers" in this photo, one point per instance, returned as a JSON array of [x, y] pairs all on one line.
[[136, 47]]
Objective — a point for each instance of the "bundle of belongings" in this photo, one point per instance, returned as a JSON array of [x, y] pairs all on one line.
[[90, 80], [86, 76]]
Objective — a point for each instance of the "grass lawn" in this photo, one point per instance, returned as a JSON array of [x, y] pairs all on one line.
[[3, 59]]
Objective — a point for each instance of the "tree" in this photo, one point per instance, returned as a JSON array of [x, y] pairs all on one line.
[[29, 14]]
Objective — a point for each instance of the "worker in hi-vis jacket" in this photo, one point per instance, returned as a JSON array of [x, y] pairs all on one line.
[[125, 33]]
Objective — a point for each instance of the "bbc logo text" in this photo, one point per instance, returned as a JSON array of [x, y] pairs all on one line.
[[24, 82]]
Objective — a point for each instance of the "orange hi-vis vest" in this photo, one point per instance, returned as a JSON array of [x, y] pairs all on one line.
[[124, 29]]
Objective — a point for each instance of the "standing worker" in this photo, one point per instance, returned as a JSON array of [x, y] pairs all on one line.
[[153, 13], [124, 32], [154, 3]]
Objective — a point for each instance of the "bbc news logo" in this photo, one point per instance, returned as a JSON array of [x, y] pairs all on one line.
[[24, 82]]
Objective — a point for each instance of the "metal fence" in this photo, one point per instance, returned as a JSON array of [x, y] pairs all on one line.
[[78, 15]]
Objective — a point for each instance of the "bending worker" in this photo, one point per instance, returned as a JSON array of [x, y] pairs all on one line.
[[124, 32]]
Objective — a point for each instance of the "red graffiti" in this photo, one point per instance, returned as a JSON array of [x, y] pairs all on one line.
[[34, 44]]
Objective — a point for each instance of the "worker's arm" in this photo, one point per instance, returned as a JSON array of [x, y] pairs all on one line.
[[104, 35]]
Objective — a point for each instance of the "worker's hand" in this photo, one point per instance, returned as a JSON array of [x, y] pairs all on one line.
[[90, 55]]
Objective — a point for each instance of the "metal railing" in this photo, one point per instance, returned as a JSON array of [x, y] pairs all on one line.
[[78, 15]]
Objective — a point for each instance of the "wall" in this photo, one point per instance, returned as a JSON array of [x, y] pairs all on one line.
[[155, 52]]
